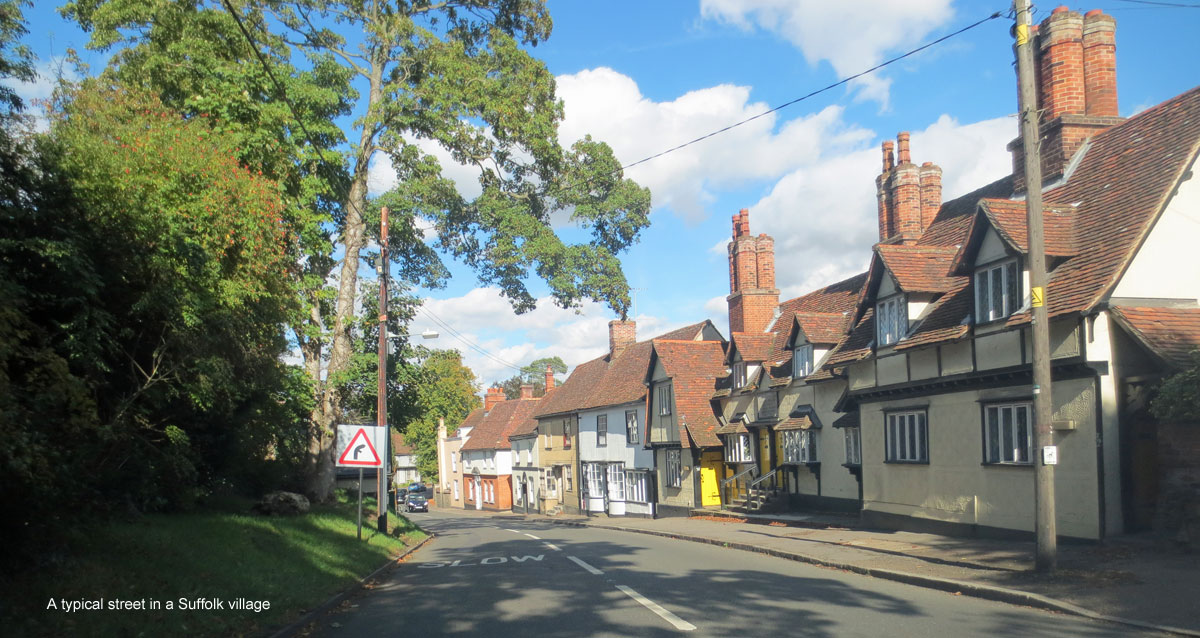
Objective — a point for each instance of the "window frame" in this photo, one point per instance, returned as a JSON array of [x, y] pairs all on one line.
[[799, 372], [987, 426], [568, 479], [852, 437], [566, 429], [673, 474], [800, 447], [895, 318], [594, 479], [615, 473], [665, 399], [911, 428], [632, 433], [601, 430], [738, 448], [637, 484], [1011, 293], [739, 374]]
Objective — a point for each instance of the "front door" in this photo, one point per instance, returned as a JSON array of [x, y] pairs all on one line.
[[710, 491]]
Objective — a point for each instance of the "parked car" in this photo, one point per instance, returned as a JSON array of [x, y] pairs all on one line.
[[417, 487], [416, 503]]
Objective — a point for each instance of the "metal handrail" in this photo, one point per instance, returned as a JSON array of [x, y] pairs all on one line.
[[758, 481], [750, 470]]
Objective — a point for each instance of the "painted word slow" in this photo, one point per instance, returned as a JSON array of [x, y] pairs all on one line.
[[491, 560]]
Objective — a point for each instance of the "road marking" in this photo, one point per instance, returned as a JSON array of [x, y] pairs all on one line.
[[679, 623], [510, 530], [584, 565], [551, 546], [533, 537]]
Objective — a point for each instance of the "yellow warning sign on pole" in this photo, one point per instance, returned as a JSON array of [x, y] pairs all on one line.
[[1037, 296]]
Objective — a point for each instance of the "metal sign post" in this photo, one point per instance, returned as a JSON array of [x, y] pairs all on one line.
[[358, 446]]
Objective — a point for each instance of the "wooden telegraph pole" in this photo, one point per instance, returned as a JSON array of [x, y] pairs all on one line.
[[1045, 453], [381, 419]]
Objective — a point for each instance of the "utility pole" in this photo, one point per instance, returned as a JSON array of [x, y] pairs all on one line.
[[1043, 437], [381, 403]]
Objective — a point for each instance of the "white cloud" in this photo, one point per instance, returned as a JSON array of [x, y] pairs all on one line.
[[484, 318], [381, 176], [851, 35], [610, 106], [824, 216]]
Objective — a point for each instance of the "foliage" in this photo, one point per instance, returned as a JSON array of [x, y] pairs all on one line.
[[443, 388], [533, 374], [1178, 398]]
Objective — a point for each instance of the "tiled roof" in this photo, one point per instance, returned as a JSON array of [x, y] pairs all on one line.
[[795, 423], [826, 311], [823, 328], [733, 427], [856, 345], [500, 423], [1116, 192], [919, 268], [604, 381], [398, 444], [693, 367], [473, 419], [847, 420], [752, 347], [1171, 333]]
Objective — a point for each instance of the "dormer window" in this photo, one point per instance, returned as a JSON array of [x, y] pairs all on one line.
[[997, 291], [739, 374], [891, 320], [802, 361]]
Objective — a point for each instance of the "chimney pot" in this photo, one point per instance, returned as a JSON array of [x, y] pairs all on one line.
[[621, 335], [549, 378], [904, 157], [494, 395], [889, 160], [526, 391]]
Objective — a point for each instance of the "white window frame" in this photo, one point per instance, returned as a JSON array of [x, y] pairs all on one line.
[[674, 468], [595, 479], [739, 374], [568, 479], [907, 436], [802, 361], [997, 291], [566, 427], [601, 430], [549, 484], [632, 433], [853, 438], [616, 481], [738, 448], [636, 482], [454, 461], [891, 320], [456, 489], [800, 446], [529, 454], [664, 399], [1003, 441]]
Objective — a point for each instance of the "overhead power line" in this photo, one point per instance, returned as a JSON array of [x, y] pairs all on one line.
[[1173, 5], [471, 344]]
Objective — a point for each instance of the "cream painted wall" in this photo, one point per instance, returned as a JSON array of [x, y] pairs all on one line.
[[923, 364], [862, 374], [892, 369], [957, 487], [1168, 250], [991, 249], [1099, 345], [957, 357], [998, 350]]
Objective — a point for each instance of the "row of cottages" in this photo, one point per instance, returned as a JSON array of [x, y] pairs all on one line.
[[404, 462], [593, 449], [924, 362]]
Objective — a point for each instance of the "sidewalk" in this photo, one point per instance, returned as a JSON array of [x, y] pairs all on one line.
[[1126, 579]]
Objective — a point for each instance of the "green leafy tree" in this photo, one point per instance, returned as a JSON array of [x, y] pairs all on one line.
[[457, 74], [1178, 398], [442, 388], [533, 374]]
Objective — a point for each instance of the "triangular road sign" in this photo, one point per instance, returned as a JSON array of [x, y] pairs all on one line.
[[360, 452]]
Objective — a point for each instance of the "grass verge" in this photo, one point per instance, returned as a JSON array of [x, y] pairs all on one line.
[[196, 561]]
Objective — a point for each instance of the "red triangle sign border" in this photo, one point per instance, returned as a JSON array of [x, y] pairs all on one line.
[[365, 462]]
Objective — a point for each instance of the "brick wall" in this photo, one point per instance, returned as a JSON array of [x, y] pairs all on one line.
[[1178, 510]]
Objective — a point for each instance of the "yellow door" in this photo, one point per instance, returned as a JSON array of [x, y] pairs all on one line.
[[764, 451], [710, 492]]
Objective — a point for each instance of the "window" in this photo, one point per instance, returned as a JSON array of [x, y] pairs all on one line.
[[456, 489], [517, 495], [800, 446], [516, 457], [853, 446], [674, 468], [570, 484], [631, 427], [635, 486], [547, 435], [802, 361], [891, 320], [1008, 432], [567, 434], [664, 399], [601, 430], [616, 482], [488, 495], [550, 484], [907, 440], [529, 454], [593, 474], [997, 291], [739, 374], [738, 449]]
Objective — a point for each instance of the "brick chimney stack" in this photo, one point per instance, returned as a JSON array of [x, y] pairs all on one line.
[[909, 196], [1077, 87], [549, 378], [752, 294], [621, 335], [526, 391], [494, 395]]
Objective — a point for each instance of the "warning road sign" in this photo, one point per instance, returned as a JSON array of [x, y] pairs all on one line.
[[359, 445]]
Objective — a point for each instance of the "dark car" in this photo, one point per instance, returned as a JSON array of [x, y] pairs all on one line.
[[417, 488], [416, 503]]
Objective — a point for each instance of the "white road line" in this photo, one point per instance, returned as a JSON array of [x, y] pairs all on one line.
[[679, 623], [551, 546], [510, 530], [533, 537], [584, 565]]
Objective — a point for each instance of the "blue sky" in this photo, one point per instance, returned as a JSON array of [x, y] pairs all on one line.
[[646, 76]]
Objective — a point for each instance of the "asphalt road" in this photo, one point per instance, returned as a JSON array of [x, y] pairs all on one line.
[[498, 577]]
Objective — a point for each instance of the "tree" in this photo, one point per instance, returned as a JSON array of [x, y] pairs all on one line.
[[533, 374], [455, 74], [443, 389], [1178, 397]]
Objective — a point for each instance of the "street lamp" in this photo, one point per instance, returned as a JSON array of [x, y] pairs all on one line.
[[382, 493]]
